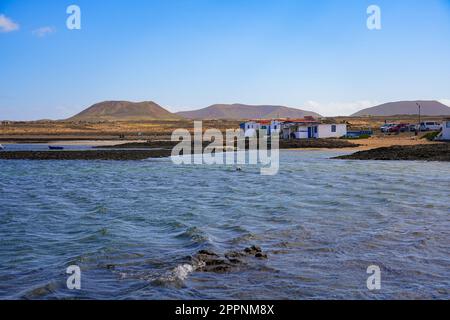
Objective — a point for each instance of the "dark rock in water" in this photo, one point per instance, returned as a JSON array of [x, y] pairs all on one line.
[[234, 254], [208, 253], [212, 263], [216, 262], [235, 257], [423, 152], [256, 251], [253, 250], [223, 268], [208, 261], [235, 261]]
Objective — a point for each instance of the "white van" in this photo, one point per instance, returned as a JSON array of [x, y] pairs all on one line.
[[430, 126]]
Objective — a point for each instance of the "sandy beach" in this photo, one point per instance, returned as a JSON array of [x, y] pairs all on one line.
[[380, 141]]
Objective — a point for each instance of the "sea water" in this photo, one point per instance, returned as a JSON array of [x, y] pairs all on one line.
[[133, 228]]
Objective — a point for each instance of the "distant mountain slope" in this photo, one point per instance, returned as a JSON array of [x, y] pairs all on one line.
[[242, 112], [428, 108], [124, 110]]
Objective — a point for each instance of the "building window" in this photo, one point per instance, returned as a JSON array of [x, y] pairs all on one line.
[[333, 128], [448, 124]]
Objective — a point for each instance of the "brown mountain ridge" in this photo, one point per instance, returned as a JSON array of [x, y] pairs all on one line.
[[428, 108], [125, 110], [244, 112]]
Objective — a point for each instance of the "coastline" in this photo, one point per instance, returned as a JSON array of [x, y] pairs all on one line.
[[90, 155], [423, 152], [155, 147]]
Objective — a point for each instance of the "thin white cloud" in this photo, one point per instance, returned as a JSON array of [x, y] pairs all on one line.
[[339, 108], [7, 25], [445, 101], [43, 31]]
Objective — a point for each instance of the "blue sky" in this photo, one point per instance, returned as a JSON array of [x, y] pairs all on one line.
[[188, 54]]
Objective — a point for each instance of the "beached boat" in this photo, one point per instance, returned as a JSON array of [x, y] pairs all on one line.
[[55, 148]]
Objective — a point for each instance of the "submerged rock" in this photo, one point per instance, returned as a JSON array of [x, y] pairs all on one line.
[[253, 250], [207, 253], [208, 261]]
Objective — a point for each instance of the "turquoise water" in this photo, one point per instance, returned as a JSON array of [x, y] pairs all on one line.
[[132, 227]]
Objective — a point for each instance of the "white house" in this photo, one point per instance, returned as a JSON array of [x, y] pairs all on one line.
[[275, 127], [271, 127], [298, 129], [307, 128], [331, 131], [311, 129], [251, 125], [250, 128]]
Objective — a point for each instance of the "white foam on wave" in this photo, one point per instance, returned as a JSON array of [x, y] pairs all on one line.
[[174, 276], [181, 272]]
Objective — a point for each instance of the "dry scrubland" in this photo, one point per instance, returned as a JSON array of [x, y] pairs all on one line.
[[107, 130]]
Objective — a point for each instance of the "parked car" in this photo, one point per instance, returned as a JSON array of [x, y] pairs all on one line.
[[401, 127], [386, 127], [430, 126]]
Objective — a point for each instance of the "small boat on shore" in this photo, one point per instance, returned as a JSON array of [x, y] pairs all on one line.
[[55, 148]]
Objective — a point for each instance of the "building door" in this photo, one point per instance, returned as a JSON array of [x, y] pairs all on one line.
[[310, 132]]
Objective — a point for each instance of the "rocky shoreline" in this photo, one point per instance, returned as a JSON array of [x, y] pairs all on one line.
[[424, 152], [115, 155]]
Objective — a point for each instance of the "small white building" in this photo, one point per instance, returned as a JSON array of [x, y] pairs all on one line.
[[271, 127], [305, 129], [250, 128], [251, 125], [331, 131], [275, 127], [298, 129]]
